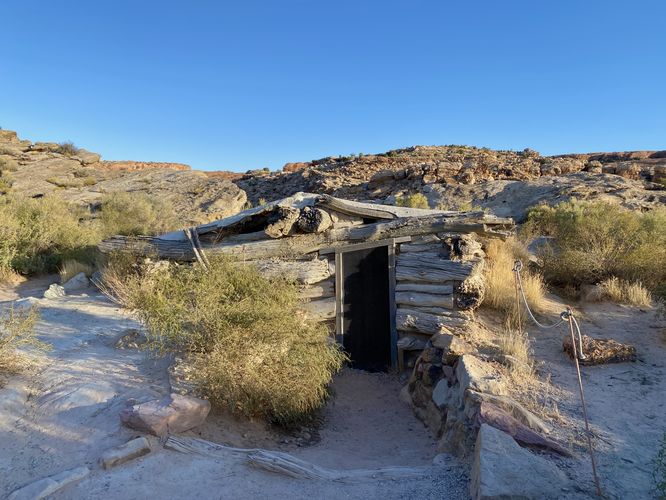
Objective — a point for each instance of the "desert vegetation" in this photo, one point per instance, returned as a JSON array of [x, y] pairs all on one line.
[[50, 235], [414, 200], [249, 347], [17, 330], [593, 242]]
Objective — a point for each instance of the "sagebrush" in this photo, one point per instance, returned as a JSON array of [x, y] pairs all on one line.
[[17, 330], [414, 200], [250, 347], [593, 241]]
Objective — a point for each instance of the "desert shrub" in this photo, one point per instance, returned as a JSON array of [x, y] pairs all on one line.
[[5, 184], [8, 165], [67, 148], [17, 329], [249, 346], [595, 241], [89, 181], [414, 200], [63, 183], [500, 280], [36, 235], [622, 291], [134, 214]]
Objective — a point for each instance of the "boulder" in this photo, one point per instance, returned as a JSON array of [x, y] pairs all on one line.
[[78, 282], [503, 470], [473, 373], [132, 449], [441, 393], [498, 418], [600, 351], [54, 291], [42, 488], [513, 408], [451, 346], [173, 414]]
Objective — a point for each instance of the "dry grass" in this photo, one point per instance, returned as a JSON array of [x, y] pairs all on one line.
[[70, 268], [17, 329], [500, 280], [133, 214], [624, 292], [249, 348]]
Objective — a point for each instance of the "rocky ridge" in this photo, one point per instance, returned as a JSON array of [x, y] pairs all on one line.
[[79, 176]]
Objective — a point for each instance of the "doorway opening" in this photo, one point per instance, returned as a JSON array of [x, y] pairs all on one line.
[[366, 319]]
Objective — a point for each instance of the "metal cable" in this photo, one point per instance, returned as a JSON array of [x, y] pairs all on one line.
[[517, 267]]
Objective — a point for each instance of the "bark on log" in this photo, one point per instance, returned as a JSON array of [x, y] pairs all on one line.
[[456, 272], [302, 243], [314, 220], [319, 290], [305, 272], [416, 299], [435, 288], [320, 310], [411, 320], [420, 247]]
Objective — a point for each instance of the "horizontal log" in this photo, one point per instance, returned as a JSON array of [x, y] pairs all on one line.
[[305, 272], [424, 300], [420, 247], [341, 220], [411, 343], [426, 275], [439, 311], [302, 243], [412, 320], [319, 290], [435, 288], [320, 310]]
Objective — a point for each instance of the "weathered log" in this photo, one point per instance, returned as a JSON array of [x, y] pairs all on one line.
[[343, 220], [411, 343], [456, 272], [411, 320], [440, 311], [319, 290], [435, 288], [424, 300], [286, 219], [302, 243], [420, 247], [305, 272], [320, 310], [283, 463], [314, 220]]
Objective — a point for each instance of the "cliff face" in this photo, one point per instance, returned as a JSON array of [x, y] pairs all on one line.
[[79, 176]]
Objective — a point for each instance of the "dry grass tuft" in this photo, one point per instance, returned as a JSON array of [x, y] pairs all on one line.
[[500, 281], [624, 292], [70, 268], [133, 214], [17, 329], [414, 200], [250, 348]]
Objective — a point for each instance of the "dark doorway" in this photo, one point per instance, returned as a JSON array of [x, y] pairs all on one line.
[[366, 318]]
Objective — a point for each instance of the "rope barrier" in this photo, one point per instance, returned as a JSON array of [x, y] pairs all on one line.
[[566, 316]]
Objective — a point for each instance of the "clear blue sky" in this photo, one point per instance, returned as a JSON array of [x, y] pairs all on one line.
[[248, 84]]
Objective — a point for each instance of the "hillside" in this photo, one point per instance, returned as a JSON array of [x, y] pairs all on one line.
[[503, 182]]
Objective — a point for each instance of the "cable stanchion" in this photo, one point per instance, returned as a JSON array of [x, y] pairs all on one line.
[[566, 316]]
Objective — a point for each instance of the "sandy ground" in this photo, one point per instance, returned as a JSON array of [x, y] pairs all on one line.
[[65, 414], [626, 401]]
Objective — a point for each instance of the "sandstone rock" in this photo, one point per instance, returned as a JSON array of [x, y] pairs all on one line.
[[498, 418], [49, 485], [54, 291], [172, 414], [77, 283], [473, 373], [431, 355], [441, 393], [503, 470], [512, 407], [132, 449], [600, 351], [86, 157], [451, 346], [431, 373]]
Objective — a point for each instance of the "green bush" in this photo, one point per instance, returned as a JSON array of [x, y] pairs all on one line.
[[133, 214], [249, 347], [415, 200], [36, 235], [594, 241]]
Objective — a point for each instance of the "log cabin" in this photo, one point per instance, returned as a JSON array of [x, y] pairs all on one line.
[[384, 278]]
